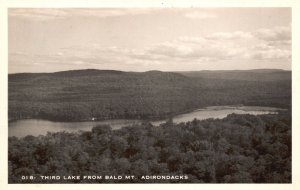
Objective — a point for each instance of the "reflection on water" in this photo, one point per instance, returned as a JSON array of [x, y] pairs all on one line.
[[37, 127]]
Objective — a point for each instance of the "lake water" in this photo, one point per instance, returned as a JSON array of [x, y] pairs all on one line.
[[37, 127]]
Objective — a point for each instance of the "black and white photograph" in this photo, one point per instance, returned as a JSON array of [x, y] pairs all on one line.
[[196, 95]]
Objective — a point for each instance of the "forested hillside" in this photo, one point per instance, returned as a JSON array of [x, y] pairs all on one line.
[[103, 94], [236, 149], [246, 75]]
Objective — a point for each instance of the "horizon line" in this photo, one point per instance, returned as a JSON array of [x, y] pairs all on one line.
[[150, 70]]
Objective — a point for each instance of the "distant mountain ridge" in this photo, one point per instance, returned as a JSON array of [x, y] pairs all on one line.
[[109, 94], [221, 74], [248, 75], [118, 71]]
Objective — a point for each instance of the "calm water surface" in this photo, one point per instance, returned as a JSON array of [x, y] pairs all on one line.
[[37, 127]]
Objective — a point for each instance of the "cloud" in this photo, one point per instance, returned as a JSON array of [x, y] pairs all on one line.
[[271, 54], [263, 44], [42, 14], [170, 49], [274, 45], [37, 14], [217, 46], [192, 39], [205, 51], [230, 36], [59, 53], [274, 34], [200, 15]]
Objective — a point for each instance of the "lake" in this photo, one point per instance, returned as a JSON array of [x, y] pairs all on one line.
[[37, 127]]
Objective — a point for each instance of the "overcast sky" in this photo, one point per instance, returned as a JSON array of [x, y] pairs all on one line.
[[48, 40]]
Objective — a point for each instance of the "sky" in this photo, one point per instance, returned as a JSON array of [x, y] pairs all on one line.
[[142, 39]]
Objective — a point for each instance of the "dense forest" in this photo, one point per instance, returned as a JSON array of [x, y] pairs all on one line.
[[81, 95], [236, 149]]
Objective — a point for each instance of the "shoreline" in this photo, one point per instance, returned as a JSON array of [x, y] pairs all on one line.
[[157, 119]]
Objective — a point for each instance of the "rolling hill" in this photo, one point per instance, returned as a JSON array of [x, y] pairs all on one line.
[[247, 75], [80, 95]]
